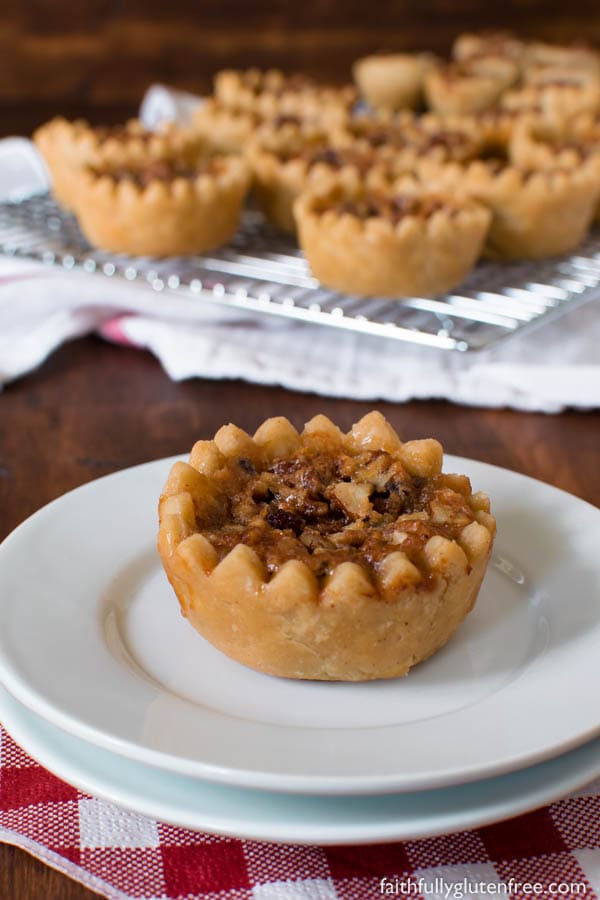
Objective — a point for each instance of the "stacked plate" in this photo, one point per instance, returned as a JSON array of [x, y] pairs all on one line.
[[106, 685]]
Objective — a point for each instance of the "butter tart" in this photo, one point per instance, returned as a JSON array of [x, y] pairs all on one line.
[[497, 43], [558, 101], [223, 129], [535, 213], [271, 93], [497, 126], [287, 157], [404, 138], [569, 57], [372, 240], [471, 86], [323, 555], [539, 73], [539, 146], [392, 81], [170, 207], [67, 146]]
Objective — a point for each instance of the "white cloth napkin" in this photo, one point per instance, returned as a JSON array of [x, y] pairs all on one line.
[[553, 367]]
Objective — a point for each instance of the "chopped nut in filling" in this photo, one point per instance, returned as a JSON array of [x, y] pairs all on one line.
[[412, 136], [162, 170], [324, 509], [393, 208], [338, 158]]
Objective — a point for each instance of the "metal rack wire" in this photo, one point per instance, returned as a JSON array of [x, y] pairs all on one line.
[[263, 271]]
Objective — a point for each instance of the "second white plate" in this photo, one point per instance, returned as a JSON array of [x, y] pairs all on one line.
[[91, 639]]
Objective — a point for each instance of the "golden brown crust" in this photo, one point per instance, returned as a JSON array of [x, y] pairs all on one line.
[[293, 157], [417, 255], [564, 56], [497, 127], [223, 129], [535, 214], [270, 93], [392, 81], [126, 211], [537, 145], [470, 87], [354, 623], [557, 101], [400, 140], [497, 43], [540, 74], [68, 146]]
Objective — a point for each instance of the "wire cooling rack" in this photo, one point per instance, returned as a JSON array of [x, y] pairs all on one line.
[[263, 271]]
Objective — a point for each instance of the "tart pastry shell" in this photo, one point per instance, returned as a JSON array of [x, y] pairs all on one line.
[[469, 92], [536, 214], [279, 183], [68, 146], [417, 257], [165, 218], [222, 129], [392, 81], [349, 626]]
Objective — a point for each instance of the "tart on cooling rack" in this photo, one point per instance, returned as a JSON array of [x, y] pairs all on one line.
[[392, 81], [271, 93], [171, 207], [497, 126], [390, 241], [404, 138], [323, 555], [538, 146], [67, 146], [569, 57], [471, 86], [558, 101], [535, 213], [222, 128], [471, 45], [288, 156]]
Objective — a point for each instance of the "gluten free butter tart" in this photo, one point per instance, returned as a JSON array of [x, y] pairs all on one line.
[[323, 555]]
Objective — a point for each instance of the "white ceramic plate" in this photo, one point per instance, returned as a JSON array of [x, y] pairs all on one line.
[[291, 818], [91, 639]]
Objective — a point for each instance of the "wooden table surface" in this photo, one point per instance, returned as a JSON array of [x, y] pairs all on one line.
[[94, 408]]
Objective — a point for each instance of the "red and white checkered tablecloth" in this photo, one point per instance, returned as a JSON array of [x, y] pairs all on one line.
[[554, 852]]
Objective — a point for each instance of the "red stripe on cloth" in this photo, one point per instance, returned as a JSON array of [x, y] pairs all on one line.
[[114, 331], [206, 867], [73, 854], [375, 859], [531, 835], [20, 787]]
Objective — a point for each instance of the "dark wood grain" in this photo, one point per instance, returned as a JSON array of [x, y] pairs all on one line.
[[22, 877], [102, 54], [94, 408]]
